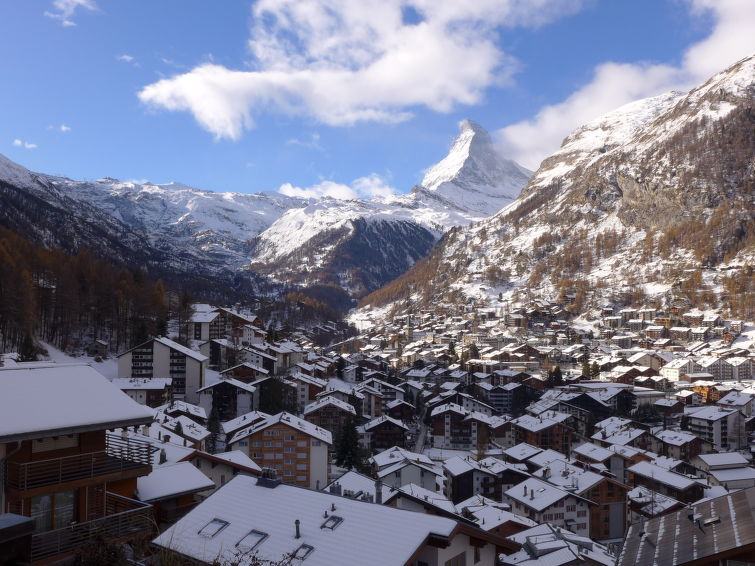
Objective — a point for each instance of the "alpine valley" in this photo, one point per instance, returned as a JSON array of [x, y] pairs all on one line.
[[653, 201], [348, 247]]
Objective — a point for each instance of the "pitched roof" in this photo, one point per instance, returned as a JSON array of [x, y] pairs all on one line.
[[244, 504], [165, 482], [76, 398], [288, 419], [718, 525]]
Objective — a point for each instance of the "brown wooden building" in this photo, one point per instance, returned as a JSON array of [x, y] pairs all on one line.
[[63, 466]]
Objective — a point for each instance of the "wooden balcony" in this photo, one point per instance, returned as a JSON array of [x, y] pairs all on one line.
[[120, 457], [125, 519]]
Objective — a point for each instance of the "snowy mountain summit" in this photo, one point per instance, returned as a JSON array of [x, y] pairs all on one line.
[[474, 176]]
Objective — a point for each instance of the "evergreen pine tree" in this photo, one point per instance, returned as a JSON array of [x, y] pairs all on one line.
[[27, 352], [595, 370], [349, 454]]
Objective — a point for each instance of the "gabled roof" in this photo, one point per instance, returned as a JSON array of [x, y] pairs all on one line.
[[377, 421], [169, 481], [718, 525], [244, 420], [286, 418], [229, 381], [76, 398], [360, 537], [332, 401], [235, 459]]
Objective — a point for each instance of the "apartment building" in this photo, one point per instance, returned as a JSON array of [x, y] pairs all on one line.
[[162, 357], [296, 449]]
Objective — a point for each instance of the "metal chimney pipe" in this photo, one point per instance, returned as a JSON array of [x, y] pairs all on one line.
[[296, 524]]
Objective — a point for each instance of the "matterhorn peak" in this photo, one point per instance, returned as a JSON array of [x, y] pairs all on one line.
[[474, 175]]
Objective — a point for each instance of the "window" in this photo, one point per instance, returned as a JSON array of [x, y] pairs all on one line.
[[302, 552], [53, 511], [213, 527], [332, 522], [476, 554], [315, 443], [252, 540], [289, 437], [571, 508]]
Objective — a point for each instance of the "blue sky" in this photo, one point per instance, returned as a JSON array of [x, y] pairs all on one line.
[[248, 96]]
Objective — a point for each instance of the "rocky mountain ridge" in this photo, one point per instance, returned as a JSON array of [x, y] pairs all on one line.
[[645, 203], [355, 245]]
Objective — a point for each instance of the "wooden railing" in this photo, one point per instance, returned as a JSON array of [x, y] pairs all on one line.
[[124, 519], [119, 455]]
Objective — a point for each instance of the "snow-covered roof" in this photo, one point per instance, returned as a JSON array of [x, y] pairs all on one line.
[[540, 422], [675, 437], [381, 420], [353, 484], [169, 481], [235, 458], [395, 454], [593, 452], [286, 418], [230, 381], [367, 534], [65, 399], [711, 413], [539, 494], [664, 476], [521, 451], [734, 474], [724, 460], [244, 420], [329, 400]]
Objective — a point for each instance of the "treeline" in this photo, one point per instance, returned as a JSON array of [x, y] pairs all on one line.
[[71, 300]]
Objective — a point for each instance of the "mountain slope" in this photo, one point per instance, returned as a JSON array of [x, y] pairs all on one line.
[[635, 206], [355, 245], [308, 245]]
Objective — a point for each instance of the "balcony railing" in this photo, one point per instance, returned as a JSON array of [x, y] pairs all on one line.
[[120, 455], [124, 519]]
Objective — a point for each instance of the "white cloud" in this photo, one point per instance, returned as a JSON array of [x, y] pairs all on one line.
[[346, 61], [373, 186], [125, 58], [63, 128], [364, 187], [25, 144], [615, 84], [65, 9], [312, 143]]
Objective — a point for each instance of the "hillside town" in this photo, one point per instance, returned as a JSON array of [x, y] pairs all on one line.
[[463, 434]]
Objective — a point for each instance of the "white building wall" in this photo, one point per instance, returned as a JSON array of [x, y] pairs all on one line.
[[460, 544], [195, 372], [318, 464], [124, 365]]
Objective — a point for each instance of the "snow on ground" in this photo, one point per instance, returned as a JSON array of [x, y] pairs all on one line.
[[107, 367]]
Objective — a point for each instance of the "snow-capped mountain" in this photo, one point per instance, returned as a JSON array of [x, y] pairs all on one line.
[[473, 176], [358, 245], [632, 205], [383, 237]]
